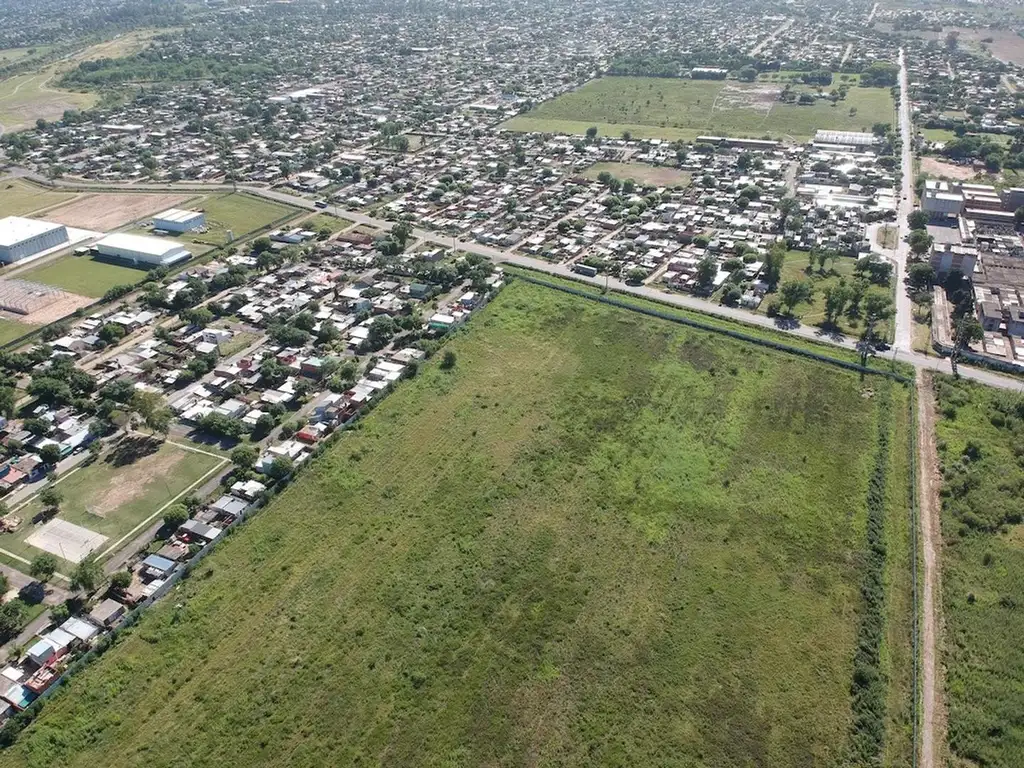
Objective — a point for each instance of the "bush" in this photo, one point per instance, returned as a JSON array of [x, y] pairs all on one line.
[[448, 360]]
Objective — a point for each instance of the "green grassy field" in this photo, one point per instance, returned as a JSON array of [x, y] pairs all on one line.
[[601, 539], [238, 213], [115, 494], [12, 329], [794, 75], [27, 97], [813, 312], [318, 220], [642, 173], [18, 198], [980, 434], [84, 275], [11, 55], [682, 109]]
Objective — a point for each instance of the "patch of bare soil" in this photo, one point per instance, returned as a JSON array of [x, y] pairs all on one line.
[[134, 480], [950, 170], [103, 212]]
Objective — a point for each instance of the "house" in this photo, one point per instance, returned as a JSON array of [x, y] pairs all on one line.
[[991, 315], [231, 506], [197, 530], [107, 613], [156, 567], [83, 631]]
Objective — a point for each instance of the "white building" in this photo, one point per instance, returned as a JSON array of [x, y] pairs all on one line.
[[142, 251], [177, 220], [23, 238]]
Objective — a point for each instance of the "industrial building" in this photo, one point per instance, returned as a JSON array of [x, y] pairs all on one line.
[[141, 251], [21, 239], [177, 220]]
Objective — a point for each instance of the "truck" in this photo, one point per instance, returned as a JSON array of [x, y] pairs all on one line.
[[585, 269]]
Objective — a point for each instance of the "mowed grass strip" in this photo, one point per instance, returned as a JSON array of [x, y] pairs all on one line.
[[237, 213], [84, 275], [18, 198], [600, 539], [681, 109]]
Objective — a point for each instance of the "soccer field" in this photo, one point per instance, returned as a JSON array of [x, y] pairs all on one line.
[[683, 109], [600, 539]]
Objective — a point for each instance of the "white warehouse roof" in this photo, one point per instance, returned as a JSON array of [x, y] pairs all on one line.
[[150, 246], [177, 214], [15, 229]]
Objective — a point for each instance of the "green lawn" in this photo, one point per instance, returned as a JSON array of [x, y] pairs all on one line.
[[813, 312], [239, 213], [642, 173], [115, 494], [18, 198], [982, 571], [84, 275], [332, 222], [601, 539], [12, 329], [11, 55], [793, 75], [681, 109]]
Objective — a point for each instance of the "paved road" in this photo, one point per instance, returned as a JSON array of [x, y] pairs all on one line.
[[778, 31], [904, 338]]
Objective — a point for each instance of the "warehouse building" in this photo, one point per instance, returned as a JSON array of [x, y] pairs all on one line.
[[141, 251], [21, 239], [177, 220]]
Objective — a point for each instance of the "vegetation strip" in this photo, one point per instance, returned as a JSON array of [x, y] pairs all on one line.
[[739, 335], [867, 736]]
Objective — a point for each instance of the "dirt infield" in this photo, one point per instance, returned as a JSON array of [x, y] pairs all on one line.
[[36, 303], [63, 307], [103, 212]]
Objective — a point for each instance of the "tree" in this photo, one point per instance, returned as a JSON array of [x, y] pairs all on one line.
[[12, 616], [772, 270], [920, 276], [244, 457], [707, 268], [51, 497], [151, 409], [794, 292], [43, 567], [836, 297], [917, 220], [877, 307], [87, 574], [966, 331], [280, 468], [50, 454], [121, 580], [920, 241], [448, 360], [112, 332], [592, 132], [175, 516]]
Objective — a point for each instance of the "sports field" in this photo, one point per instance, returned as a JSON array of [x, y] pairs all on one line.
[[113, 496], [683, 109], [84, 275], [18, 198], [641, 173], [979, 433], [600, 539]]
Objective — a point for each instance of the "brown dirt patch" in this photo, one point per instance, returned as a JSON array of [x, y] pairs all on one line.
[[949, 170], [106, 211], [133, 481], [63, 307]]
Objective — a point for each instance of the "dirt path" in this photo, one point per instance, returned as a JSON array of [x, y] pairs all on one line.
[[932, 709]]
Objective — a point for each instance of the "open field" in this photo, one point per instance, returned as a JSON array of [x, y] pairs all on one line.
[[682, 109], [813, 312], [794, 75], [319, 220], [979, 435], [642, 173], [27, 97], [19, 197], [106, 211], [238, 213], [941, 169], [84, 275], [12, 329], [112, 496], [601, 539], [12, 55]]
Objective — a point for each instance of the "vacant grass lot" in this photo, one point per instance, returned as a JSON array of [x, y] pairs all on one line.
[[642, 173], [112, 496], [238, 213], [682, 109], [980, 435], [599, 540], [320, 220], [11, 55], [18, 198], [12, 329], [84, 275]]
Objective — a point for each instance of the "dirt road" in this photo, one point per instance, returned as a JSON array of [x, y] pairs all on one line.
[[932, 710]]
